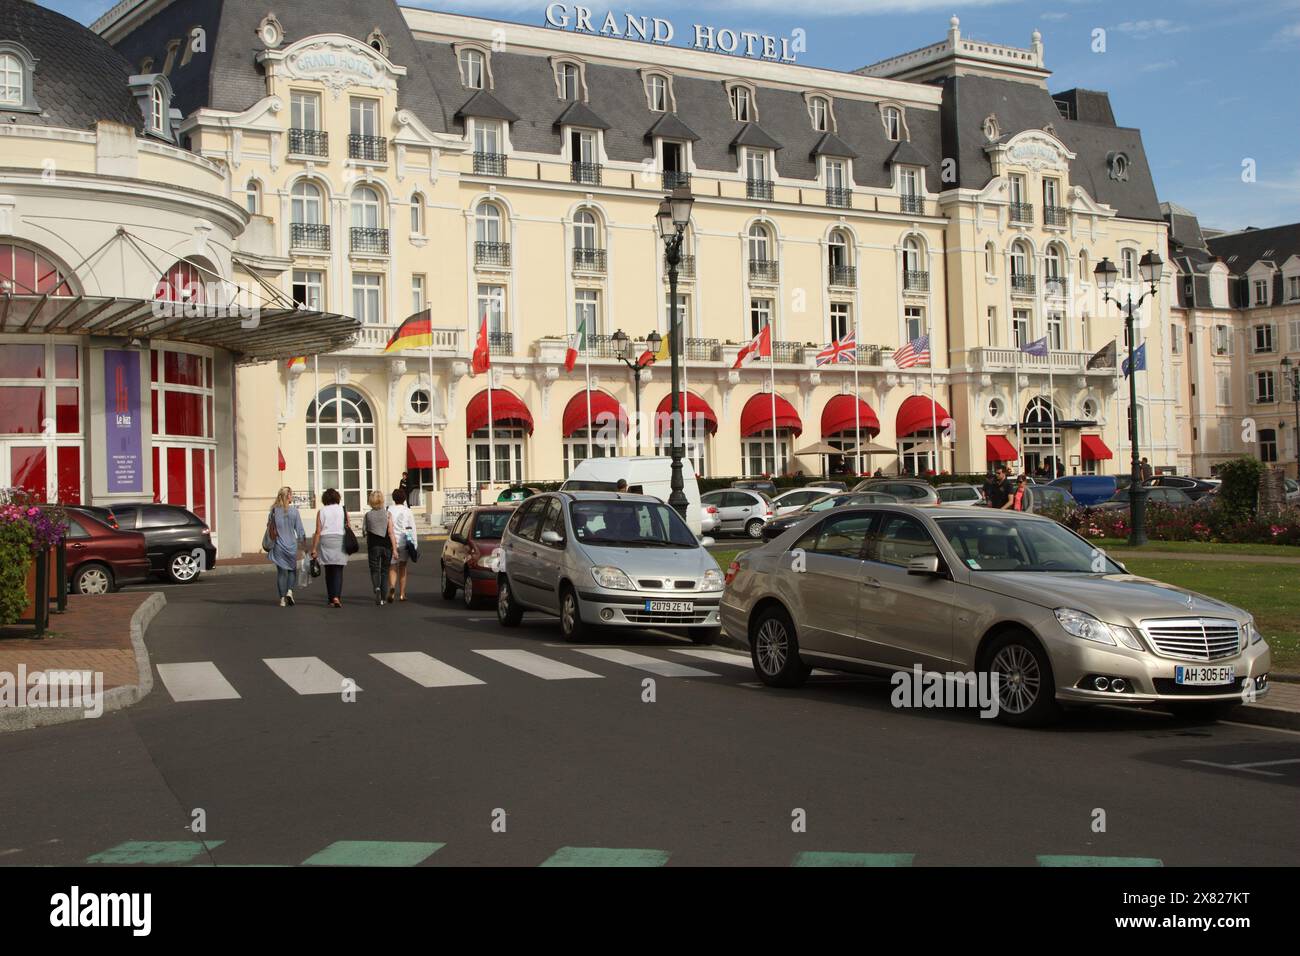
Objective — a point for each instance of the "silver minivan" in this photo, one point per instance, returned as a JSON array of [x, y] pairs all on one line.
[[599, 558]]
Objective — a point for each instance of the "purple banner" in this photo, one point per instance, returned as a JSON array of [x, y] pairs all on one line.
[[122, 421]]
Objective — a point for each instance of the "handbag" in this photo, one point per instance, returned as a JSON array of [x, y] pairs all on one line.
[[270, 536], [350, 543], [315, 568], [412, 546]]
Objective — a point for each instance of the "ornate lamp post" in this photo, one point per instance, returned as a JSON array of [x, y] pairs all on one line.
[[1151, 267], [673, 217], [623, 352], [1291, 373]]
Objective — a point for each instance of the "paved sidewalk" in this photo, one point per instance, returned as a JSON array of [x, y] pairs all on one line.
[[1279, 708]]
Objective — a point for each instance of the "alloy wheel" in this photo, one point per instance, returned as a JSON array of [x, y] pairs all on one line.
[[1019, 678], [184, 567], [772, 646], [93, 581], [568, 612]]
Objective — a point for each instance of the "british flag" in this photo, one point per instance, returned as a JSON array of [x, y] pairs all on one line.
[[915, 352], [840, 350]]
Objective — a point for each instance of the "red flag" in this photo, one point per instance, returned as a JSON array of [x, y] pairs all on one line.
[[646, 358], [281, 454], [482, 358], [759, 347]]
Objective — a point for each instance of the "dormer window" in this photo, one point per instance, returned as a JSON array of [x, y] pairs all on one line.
[[893, 120], [657, 92], [153, 97], [820, 112], [157, 110], [742, 105], [16, 69], [1118, 166], [378, 42], [568, 81], [471, 69]]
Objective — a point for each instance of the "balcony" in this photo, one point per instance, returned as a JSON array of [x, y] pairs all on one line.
[[915, 280], [702, 350], [685, 268], [501, 343], [369, 241], [373, 149], [1056, 287], [839, 196], [1008, 360], [759, 189], [492, 255], [910, 202], [374, 338], [789, 353], [845, 276], [1022, 212], [764, 270], [873, 354], [309, 142], [586, 173], [490, 164], [676, 179], [1055, 215], [1022, 283], [589, 260], [309, 237]]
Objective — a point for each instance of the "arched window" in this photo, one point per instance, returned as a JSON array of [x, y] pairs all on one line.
[[657, 89], [305, 205], [488, 222], [1041, 438], [1019, 260], [158, 110], [185, 281], [990, 259], [586, 234], [1054, 271], [341, 445], [893, 118], [839, 253], [253, 197], [740, 104], [566, 76], [471, 69], [13, 80], [365, 208], [912, 254], [1083, 265], [820, 110], [25, 271], [417, 214], [760, 243]]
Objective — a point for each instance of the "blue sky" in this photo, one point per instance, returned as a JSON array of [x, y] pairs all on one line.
[[1210, 83]]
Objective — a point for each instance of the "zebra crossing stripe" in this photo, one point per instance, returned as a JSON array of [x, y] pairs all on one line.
[[720, 657], [830, 858], [307, 675], [199, 680], [643, 662], [425, 670], [605, 856], [1048, 860], [373, 853], [144, 852], [536, 665]]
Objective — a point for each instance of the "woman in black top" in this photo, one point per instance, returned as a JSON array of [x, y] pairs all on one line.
[[380, 543]]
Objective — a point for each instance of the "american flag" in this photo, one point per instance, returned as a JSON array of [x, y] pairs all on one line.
[[915, 352], [841, 350]]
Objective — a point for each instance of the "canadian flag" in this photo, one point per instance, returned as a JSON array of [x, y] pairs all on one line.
[[760, 347], [481, 360]]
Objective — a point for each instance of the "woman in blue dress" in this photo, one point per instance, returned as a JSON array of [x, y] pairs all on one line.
[[284, 528]]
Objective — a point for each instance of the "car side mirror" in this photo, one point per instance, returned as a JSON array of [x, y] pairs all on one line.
[[927, 566], [551, 537], [707, 542]]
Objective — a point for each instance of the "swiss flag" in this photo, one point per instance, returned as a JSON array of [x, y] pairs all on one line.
[[281, 455], [481, 361], [760, 347]]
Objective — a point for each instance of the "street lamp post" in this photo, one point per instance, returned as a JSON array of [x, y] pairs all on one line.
[[673, 217], [1291, 372], [623, 352], [1151, 267]]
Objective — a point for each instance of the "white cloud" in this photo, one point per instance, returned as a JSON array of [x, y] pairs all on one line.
[[1157, 66], [1146, 28], [1290, 33], [1054, 15]]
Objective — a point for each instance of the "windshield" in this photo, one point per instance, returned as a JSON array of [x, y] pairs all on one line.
[[1008, 544], [633, 524], [490, 524]]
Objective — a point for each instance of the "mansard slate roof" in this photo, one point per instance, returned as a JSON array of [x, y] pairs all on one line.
[[1018, 106], [580, 114], [483, 105], [79, 78], [832, 145], [1276, 245], [670, 127]]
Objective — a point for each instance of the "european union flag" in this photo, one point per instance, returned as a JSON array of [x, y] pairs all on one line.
[[1140, 358]]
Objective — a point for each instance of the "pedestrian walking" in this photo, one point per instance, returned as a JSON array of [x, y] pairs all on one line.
[[380, 543], [286, 536], [1019, 500], [1144, 469], [327, 544], [403, 523]]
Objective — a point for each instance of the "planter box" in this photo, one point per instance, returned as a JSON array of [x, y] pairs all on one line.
[[551, 351], [50, 558]]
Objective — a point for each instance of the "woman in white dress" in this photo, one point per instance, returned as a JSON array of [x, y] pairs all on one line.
[[327, 544], [403, 524]]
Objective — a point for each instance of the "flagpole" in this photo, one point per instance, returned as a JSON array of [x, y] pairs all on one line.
[[686, 404], [771, 365], [934, 412], [311, 479], [1051, 398], [1119, 443], [492, 443], [857, 398], [433, 438], [1015, 403], [586, 362]]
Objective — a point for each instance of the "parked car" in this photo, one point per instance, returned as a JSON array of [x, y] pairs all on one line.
[[889, 587], [1194, 488], [778, 526], [99, 514], [1169, 497], [99, 558], [467, 561], [796, 498], [764, 485], [1050, 497], [645, 475], [1089, 490], [710, 519], [515, 494], [830, 483], [910, 490], [741, 511], [969, 496], [178, 541], [599, 559]]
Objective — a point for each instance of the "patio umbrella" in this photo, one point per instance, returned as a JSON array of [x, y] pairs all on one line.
[[820, 448]]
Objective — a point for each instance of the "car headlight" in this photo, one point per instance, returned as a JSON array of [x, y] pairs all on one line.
[[1083, 625], [612, 578], [712, 580], [1250, 634]]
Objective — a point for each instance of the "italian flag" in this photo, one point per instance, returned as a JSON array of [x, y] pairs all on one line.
[[577, 343]]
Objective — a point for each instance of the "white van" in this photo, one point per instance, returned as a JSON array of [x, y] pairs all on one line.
[[645, 475]]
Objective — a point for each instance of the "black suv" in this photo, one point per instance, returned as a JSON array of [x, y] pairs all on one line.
[[177, 540]]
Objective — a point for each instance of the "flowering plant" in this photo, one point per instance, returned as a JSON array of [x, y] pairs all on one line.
[[46, 525]]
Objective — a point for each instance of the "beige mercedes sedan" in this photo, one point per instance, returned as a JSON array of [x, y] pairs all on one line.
[[955, 597]]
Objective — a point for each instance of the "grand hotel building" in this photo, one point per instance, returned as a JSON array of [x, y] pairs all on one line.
[[390, 160]]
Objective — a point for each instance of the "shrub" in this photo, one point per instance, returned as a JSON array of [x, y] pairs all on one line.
[[1239, 493], [15, 559]]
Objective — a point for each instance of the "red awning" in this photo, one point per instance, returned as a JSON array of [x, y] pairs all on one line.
[[423, 452], [919, 414], [508, 410], [604, 409], [841, 415], [757, 416], [1094, 449], [998, 448], [692, 406]]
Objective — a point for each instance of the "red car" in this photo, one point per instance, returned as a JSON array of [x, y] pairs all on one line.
[[470, 543], [100, 558]]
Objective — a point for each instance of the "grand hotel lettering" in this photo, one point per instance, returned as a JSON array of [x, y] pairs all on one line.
[[658, 30]]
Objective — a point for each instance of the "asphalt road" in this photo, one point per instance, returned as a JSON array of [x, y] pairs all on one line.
[[581, 768]]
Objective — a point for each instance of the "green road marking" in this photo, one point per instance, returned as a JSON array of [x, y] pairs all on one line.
[[1098, 861], [373, 853], [153, 851], [605, 856], [830, 858]]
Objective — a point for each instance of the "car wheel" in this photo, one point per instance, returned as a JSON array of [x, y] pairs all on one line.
[[509, 613], [467, 592], [774, 649], [571, 624], [1026, 687], [92, 579], [704, 635], [183, 567], [448, 589], [754, 528], [1203, 710]]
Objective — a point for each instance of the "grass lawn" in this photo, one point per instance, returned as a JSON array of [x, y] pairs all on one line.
[[1202, 547]]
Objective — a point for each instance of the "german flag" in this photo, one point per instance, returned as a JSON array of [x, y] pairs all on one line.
[[415, 332]]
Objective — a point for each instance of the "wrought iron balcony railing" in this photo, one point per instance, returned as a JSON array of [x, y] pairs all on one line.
[[490, 164], [371, 148], [587, 173], [1022, 212], [764, 270], [916, 280], [843, 275], [839, 196], [492, 254], [758, 188], [1054, 215], [701, 350], [501, 343], [685, 268], [309, 142], [1056, 286], [1022, 282], [787, 352], [369, 240], [589, 260], [309, 236], [676, 179], [911, 202]]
